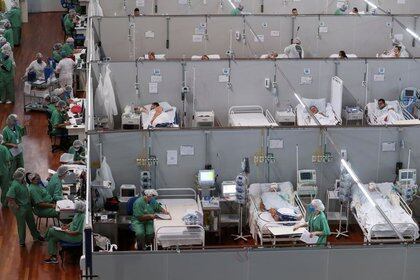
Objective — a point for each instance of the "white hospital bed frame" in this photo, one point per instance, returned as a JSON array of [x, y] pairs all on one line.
[[253, 109], [180, 193], [376, 237], [264, 235], [407, 116]]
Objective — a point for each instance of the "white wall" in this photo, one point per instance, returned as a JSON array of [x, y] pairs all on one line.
[[39, 6]]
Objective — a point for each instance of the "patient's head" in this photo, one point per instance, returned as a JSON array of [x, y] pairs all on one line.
[[381, 103], [151, 56], [273, 55], [273, 187], [372, 186], [205, 57], [154, 105], [314, 109]]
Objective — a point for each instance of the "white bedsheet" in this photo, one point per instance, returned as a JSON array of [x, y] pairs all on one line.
[[373, 221], [304, 119], [168, 116], [392, 114], [249, 119], [174, 232]]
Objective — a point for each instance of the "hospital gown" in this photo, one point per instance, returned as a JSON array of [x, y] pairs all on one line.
[[388, 116]]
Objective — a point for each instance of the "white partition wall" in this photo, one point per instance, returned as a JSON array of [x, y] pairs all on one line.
[[250, 36], [125, 7]]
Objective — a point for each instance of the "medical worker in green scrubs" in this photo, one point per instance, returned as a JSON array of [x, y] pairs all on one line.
[[42, 202], [12, 137], [55, 185], [19, 201], [144, 212], [71, 233], [316, 222], [5, 163]]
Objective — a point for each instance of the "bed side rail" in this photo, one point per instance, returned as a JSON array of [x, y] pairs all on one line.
[[270, 117], [177, 193], [200, 228], [246, 109]]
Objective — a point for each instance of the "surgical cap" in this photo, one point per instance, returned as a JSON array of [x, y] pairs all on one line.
[[21, 169], [7, 48], [12, 117], [3, 40], [57, 46], [54, 99], [39, 55], [318, 205], [61, 103], [7, 24], [77, 144], [70, 40], [69, 88], [15, 5], [62, 170], [297, 40], [150, 192], [19, 175], [72, 11], [31, 176], [80, 206], [1, 138]]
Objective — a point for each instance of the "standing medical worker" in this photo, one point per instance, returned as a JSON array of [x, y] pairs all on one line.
[[144, 212], [65, 69], [15, 18], [316, 221], [55, 185], [13, 134], [19, 201], [7, 73], [5, 163]]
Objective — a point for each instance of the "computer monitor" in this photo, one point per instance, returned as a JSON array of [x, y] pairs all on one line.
[[127, 191], [229, 188], [206, 178], [307, 176], [409, 93], [407, 175]]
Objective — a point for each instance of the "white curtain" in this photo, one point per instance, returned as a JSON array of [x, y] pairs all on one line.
[[105, 104]]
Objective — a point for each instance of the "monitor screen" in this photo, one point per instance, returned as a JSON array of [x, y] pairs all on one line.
[[409, 93], [306, 176], [128, 192], [407, 175], [206, 177], [229, 189]]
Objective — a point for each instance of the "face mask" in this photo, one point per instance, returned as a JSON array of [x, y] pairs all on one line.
[[39, 61], [5, 57], [153, 200], [77, 149], [311, 208]]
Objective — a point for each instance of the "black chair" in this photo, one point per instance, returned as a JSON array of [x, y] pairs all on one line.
[[74, 249]]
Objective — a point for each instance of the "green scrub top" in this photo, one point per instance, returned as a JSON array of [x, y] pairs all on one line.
[[141, 208], [51, 108], [319, 223], [5, 160], [15, 17], [7, 70], [68, 25], [235, 12], [39, 194], [57, 56], [77, 224], [55, 188], [78, 155], [8, 34], [13, 136], [56, 119], [19, 193], [66, 50]]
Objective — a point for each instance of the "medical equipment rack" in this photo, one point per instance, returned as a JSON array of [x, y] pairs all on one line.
[[341, 216]]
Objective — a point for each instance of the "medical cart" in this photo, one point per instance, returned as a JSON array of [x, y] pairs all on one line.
[[212, 214], [34, 93], [353, 114]]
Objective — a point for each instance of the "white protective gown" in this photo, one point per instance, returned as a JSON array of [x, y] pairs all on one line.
[[66, 69]]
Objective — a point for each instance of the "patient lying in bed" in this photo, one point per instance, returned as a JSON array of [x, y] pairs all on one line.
[[386, 114], [157, 116], [279, 207]]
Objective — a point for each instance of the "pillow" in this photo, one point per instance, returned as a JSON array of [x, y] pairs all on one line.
[[320, 103]]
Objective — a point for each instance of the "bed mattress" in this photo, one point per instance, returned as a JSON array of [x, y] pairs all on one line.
[[174, 232], [249, 119], [304, 119]]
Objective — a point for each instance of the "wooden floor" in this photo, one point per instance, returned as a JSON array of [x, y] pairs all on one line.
[[16, 263]]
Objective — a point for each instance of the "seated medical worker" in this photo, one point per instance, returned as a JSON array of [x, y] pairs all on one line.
[[55, 185], [316, 222], [72, 233], [144, 212], [78, 151], [42, 202], [37, 66]]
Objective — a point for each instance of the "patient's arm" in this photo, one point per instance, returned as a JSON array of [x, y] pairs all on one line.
[[158, 111], [262, 207], [273, 213]]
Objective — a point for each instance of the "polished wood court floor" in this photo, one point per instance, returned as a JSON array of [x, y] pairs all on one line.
[[16, 263]]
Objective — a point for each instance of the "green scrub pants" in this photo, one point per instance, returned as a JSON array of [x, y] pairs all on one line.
[[4, 185], [54, 236], [16, 163], [46, 213], [144, 233], [24, 216], [7, 91], [16, 35]]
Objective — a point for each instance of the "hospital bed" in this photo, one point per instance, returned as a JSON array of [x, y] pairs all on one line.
[[374, 227], [397, 116], [210, 56], [174, 232], [349, 55], [251, 115], [331, 111], [171, 113], [262, 225]]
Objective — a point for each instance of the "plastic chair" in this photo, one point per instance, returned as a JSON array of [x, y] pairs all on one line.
[[68, 246]]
